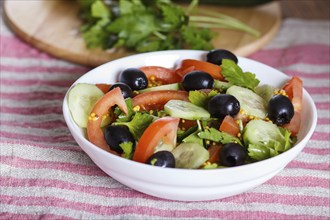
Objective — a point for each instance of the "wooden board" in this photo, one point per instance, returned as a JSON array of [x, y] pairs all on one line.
[[52, 26]]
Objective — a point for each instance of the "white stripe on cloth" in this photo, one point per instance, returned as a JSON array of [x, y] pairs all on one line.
[[142, 205], [299, 31]]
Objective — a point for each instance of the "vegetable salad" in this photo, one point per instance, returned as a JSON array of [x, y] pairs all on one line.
[[203, 114]]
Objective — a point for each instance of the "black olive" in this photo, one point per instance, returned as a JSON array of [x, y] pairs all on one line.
[[196, 80], [280, 109], [125, 89], [162, 159], [215, 56], [134, 78], [232, 154], [115, 135], [223, 104]]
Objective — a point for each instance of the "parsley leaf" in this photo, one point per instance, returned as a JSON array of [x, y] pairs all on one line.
[[215, 135], [181, 134], [235, 75], [150, 25], [132, 28], [100, 10], [130, 7], [121, 116], [138, 124], [197, 39], [95, 36], [173, 16], [193, 137], [96, 16]]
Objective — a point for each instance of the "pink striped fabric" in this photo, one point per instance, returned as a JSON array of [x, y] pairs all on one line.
[[45, 175]]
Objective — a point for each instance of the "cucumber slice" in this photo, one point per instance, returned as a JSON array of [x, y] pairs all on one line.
[[81, 99], [259, 132], [265, 91], [190, 155], [266, 134], [251, 103], [173, 86], [222, 86], [185, 110]]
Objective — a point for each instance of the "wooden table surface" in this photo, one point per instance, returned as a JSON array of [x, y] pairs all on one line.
[[307, 9]]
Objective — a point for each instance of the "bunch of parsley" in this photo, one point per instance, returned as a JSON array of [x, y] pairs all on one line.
[[150, 25]]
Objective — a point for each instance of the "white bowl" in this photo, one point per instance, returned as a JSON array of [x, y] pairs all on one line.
[[184, 184]]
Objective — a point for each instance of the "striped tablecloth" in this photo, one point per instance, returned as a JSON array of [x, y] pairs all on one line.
[[45, 175]]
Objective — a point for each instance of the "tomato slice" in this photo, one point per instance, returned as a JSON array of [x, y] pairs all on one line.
[[101, 110], [155, 100], [161, 75], [294, 125], [214, 151], [103, 87], [210, 68], [162, 130], [229, 126], [294, 90], [183, 71]]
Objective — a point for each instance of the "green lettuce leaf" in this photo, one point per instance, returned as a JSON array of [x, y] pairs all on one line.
[[201, 98], [128, 149], [288, 141], [261, 152]]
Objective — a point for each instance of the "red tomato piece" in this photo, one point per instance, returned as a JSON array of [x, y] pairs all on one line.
[[229, 126], [210, 68], [100, 110], [103, 87], [183, 71], [214, 152], [294, 124], [294, 89], [160, 74], [155, 100], [162, 130], [186, 124]]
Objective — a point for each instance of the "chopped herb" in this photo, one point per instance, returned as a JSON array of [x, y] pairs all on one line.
[[138, 124], [150, 25], [215, 135], [235, 75], [193, 137], [121, 116]]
